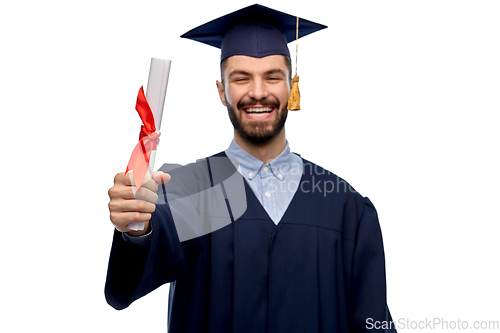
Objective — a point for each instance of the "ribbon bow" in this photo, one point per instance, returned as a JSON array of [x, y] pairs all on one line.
[[148, 141]]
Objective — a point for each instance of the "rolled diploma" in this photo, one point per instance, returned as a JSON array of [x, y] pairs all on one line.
[[155, 94]]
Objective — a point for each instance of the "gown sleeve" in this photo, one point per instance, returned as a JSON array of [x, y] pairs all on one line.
[[370, 312], [134, 270]]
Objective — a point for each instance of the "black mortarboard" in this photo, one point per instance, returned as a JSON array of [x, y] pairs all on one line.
[[255, 31]]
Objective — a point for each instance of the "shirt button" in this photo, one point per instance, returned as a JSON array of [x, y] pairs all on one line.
[[250, 175], [265, 169], [280, 176], [268, 194]]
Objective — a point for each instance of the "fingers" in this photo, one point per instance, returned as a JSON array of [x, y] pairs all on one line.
[[123, 219], [128, 205], [125, 197], [124, 189], [146, 194], [121, 205], [150, 184], [159, 177], [123, 179], [121, 191], [126, 211]]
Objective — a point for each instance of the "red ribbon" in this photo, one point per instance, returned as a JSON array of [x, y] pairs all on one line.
[[148, 141]]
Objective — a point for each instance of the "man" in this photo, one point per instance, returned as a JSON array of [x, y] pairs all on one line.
[[297, 259]]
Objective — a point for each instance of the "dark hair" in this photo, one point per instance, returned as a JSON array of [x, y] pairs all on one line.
[[288, 63]]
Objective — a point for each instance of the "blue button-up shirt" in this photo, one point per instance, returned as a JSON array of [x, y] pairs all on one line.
[[273, 183]]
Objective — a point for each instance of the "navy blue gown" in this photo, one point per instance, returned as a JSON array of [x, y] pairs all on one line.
[[321, 269]]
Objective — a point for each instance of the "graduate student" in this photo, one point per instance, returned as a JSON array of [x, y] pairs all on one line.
[[250, 239]]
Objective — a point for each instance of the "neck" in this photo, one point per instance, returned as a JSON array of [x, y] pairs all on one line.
[[263, 151]]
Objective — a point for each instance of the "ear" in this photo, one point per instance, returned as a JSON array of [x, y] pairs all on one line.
[[222, 95]]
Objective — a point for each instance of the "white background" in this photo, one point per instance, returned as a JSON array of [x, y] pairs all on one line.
[[400, 98]]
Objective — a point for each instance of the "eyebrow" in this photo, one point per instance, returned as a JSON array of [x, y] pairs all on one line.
[[277, 70], [238, 72], [271, 71]]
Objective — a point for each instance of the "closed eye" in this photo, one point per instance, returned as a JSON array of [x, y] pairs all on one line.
[[275, 79], [275, 75], [240, 79]]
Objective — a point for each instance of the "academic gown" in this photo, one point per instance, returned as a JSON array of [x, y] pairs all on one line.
[[321, 269]]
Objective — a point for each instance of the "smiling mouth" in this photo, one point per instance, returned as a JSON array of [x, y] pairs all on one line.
[[258, 112]]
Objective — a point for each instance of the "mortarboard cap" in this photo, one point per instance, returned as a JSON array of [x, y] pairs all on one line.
[[255, 31]]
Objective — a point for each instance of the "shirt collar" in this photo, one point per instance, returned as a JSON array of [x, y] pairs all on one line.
[[250, 166]]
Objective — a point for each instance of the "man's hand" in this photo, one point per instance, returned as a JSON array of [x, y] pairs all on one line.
[[126, 208]]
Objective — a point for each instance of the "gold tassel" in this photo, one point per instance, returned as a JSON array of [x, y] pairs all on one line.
[[294, 98]]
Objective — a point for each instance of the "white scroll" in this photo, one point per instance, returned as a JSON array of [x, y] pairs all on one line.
[[159, 71]]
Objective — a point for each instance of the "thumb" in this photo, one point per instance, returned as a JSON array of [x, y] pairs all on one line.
[[161, 177]]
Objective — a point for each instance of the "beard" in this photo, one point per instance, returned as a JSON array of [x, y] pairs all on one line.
[[254, 131]]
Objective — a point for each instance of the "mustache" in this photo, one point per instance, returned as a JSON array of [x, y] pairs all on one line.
[[263, 102]]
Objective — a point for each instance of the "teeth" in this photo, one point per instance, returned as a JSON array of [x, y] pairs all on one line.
[[258, 115], [259, 109]]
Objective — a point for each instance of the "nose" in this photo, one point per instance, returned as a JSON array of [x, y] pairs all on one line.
[[258, 90]]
